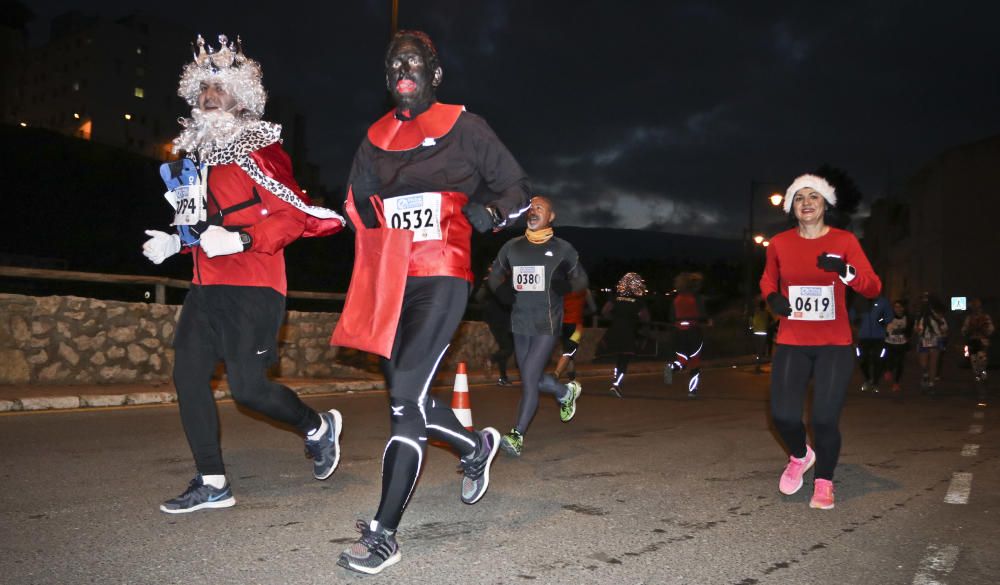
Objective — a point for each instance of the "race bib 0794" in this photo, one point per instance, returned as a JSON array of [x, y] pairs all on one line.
[[419, 213], [812, 303], [190, 204], [529, 278]]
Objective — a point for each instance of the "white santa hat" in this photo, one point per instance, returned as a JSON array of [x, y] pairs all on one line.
[[817, 183]]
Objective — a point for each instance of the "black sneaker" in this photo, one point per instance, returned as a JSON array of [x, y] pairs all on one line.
[[325, 452], [374, 551], [476, 467], [199, 496], [503, 381]]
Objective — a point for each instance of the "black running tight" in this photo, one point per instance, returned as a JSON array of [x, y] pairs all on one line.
[[533, 353], [432, 310], [238, 324], [830, 367]]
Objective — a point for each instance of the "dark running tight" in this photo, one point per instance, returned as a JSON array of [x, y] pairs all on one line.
[[621, 368], [830, 367], [895, 355], [240, 326], [432, 309], [533, 353]]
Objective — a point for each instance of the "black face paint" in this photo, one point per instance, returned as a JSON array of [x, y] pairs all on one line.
[[409, 79]]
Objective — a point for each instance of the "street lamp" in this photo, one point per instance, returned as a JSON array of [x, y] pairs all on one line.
[[775, 199]]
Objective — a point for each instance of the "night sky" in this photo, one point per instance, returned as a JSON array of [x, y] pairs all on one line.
[[648, 115]]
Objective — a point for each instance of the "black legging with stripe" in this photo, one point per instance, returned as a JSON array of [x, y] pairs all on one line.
[[432, 310], [830, 367]]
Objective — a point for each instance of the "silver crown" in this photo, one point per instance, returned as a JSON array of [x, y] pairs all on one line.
[[227, 56]]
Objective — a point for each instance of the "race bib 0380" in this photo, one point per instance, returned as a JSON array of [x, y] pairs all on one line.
[[812, 303], [419, 213], [529, 278]]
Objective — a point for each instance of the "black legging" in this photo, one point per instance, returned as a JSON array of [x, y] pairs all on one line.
[[894, 358], [432, 309], [871, 354], [831, 367], [239, 325], [533, 353], [505, 345], [621, 368]]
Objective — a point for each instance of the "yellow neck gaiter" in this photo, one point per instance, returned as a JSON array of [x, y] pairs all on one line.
[[539, 236]]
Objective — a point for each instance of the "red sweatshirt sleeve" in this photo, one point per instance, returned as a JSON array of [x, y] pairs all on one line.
[[769, 280], [865, 281]]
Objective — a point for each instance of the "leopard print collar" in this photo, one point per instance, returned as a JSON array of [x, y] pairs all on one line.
[[254, 136]]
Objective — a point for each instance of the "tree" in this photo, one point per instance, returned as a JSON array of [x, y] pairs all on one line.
[[848, 195]]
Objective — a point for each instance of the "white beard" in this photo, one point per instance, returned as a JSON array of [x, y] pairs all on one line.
[[205, 132]]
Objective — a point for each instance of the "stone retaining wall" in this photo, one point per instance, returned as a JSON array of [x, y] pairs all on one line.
[[73, 340]]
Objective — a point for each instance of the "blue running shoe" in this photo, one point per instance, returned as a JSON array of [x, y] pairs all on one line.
[[199, 496], [325, 452]]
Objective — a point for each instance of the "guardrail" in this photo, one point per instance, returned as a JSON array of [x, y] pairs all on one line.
[[159, 283]]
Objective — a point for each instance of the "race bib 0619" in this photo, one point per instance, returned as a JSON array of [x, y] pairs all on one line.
[[812, 303], [419, 213], [529, 278]]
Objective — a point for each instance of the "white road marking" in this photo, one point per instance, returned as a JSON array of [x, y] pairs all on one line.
[[970, 450], [959, 488], [975, 429], [937, 564], [978, 414]]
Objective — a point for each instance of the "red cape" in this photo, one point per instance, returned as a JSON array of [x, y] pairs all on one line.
[[276, 164]]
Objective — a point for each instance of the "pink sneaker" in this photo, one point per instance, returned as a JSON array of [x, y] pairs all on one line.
[[822, 495], [791, 478]]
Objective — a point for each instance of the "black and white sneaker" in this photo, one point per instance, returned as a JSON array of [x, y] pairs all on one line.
[[503, 381], [325, 452], [374, 551], [476, 467], [199, 496]]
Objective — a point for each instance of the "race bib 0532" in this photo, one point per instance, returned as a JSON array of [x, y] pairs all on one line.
[[419, 213], [812, 303]]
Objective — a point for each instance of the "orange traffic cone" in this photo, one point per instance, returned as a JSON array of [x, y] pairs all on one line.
[[460, 397]]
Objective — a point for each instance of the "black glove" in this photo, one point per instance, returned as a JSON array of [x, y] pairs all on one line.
[[779, 304], [831, 263], [505, 293], [482, 218], [561, 286]]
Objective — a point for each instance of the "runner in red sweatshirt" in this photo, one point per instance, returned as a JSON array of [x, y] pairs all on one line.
[[805, 281]]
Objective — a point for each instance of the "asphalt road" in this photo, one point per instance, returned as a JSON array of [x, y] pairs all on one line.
[[651, 489]]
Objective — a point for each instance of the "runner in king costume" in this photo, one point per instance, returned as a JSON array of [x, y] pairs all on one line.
[[236, 207]]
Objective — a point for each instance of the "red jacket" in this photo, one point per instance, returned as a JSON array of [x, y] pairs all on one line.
[[791, 260], [270, 221]]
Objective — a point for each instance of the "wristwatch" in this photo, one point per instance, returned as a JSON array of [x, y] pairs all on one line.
[[246, 239]]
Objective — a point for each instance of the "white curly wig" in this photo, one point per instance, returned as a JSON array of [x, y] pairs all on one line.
[[240, 76]]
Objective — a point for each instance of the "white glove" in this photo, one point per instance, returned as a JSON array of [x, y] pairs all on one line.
[[161, 246], [218, 241]]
